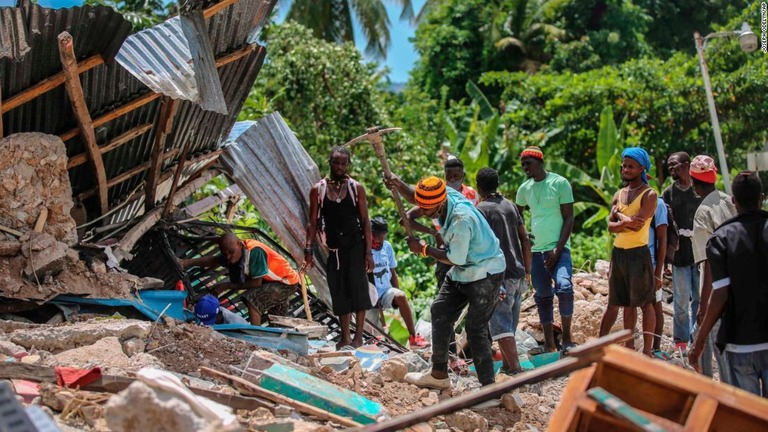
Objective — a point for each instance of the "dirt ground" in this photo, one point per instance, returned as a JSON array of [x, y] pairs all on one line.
[[184, 348]]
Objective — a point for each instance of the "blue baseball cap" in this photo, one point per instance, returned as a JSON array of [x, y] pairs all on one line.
[[206, 309]]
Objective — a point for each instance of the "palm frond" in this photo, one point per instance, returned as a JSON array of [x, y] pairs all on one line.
[[374, 23]]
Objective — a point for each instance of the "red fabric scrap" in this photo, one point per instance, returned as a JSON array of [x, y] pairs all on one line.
[[74, 377]]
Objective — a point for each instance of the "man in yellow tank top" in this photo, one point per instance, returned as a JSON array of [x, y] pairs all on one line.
[[630, 283]]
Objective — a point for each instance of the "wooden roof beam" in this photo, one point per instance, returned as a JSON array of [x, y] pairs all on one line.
[[49, 84], [163, 128], [151, 96], [176, 176], [80, 109], [119, 140], [133, 172]]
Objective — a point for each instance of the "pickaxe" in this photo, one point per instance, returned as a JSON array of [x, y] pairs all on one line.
[[374, 136]]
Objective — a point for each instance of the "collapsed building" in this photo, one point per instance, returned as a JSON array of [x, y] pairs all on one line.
[[104, 135]]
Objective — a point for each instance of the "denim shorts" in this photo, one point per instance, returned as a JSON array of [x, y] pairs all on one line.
[[507, 313]]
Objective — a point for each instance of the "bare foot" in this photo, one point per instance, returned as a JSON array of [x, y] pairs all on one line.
[[356, 343], [342, 343]]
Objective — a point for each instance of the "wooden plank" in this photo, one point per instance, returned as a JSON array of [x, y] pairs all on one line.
[[164, 126], [592, 410], [579, 358], [702, 413], [133, 172], [117, 112], [118, 141], [49, 84], [278, 398], [1, 112], [114, 384], [80, 109], [218, 7], [566, 414], [176, 176], [41, 218], [10, 231], [137, 103], [624, 411], [150, 219], [235, 55], [684, 380]]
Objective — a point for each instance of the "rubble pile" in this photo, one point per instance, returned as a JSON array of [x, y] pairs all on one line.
[[33, 181]]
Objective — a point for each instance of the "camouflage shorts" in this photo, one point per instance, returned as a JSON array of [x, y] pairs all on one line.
[[270, 297]]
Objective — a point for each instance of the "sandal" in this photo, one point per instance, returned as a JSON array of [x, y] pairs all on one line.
[[566, 348], [662, 355]]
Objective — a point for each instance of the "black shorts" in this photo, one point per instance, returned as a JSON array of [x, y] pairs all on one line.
[[630, 283], [348, 280]]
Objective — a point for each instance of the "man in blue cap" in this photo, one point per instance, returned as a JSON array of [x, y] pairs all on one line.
[[209, 311], [631, 281]]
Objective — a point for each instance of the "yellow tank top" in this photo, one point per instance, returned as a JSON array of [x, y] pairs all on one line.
[[632, 239]]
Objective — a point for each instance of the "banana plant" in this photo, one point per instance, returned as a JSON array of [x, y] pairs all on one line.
[[610, 144]]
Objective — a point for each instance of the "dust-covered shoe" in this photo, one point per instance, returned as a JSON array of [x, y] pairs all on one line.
[[426, 380], [417, 341], [492, 403]]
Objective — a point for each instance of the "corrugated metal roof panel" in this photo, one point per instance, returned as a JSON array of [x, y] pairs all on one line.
[[13, 34], [110, 86], [275, 172], [162, 58]]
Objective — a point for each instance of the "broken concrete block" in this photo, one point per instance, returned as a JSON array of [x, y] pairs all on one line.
[[512, 402], [57, 339], [133, 346], [393, 370], [466, 420], [319, 393], [47, 262], [11, 349], [10, 247], [106, 353], [139, 408], [98, 267]]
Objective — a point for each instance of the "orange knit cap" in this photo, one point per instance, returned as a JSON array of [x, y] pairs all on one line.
[[430, 192], [532, 151]]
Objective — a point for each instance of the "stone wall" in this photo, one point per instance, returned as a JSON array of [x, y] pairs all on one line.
[[33, 176]]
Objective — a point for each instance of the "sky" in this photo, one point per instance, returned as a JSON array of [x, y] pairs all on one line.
[[400, 58]]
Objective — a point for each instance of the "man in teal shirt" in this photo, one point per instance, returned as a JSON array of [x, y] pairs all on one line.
[[473, 250], [550, 199]]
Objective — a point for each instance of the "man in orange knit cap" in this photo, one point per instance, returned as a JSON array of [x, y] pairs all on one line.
[[473, 250]]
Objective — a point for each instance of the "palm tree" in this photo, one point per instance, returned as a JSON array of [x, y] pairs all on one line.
[[331, 20], [523, 26]]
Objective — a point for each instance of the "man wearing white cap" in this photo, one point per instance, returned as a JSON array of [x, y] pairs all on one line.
[[716, 207]]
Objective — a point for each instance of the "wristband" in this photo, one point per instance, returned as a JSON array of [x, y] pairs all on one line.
[[424, 250]]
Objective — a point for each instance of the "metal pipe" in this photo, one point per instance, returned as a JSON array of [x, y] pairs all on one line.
[[713, 113]]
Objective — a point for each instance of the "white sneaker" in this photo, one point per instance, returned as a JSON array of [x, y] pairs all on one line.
[[426, 380]]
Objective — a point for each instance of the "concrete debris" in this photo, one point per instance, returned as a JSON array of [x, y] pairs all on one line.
[[45, 256], [466, 420], [133, 346], [107, 353], [57, 339], [10, 247], [513, 402], [10, 349], [393, 370], [139, 408], [33, 177]]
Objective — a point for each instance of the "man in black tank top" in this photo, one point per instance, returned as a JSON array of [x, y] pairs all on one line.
[[338, 212]]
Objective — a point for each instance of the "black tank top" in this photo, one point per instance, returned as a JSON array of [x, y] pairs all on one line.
[[342, 222]]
